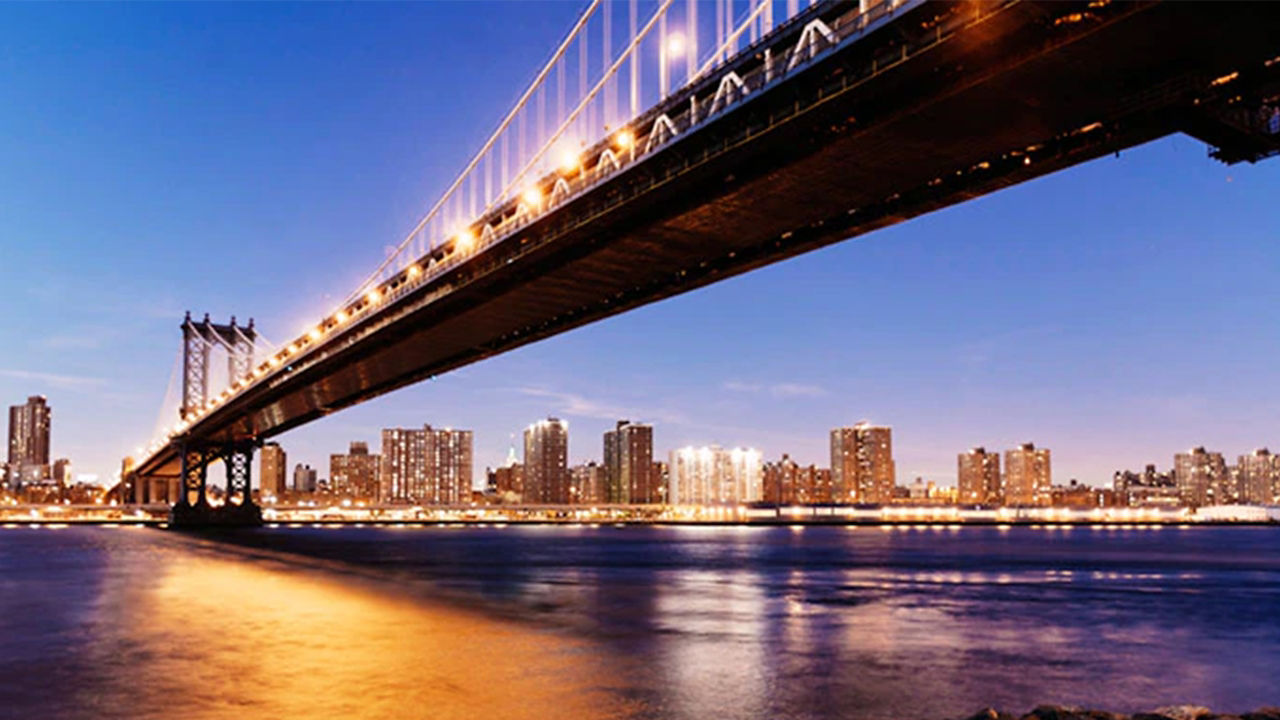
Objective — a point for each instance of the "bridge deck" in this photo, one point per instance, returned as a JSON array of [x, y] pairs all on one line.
[[907, 120]]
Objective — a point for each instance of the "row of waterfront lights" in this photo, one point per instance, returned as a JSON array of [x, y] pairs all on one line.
[[464, 240]]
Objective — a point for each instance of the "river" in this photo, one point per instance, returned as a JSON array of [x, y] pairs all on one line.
[[639, 622]]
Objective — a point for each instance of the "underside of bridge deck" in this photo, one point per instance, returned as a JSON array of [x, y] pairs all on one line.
[[950, 102]]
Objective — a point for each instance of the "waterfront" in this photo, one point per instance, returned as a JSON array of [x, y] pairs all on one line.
[[684, 622]]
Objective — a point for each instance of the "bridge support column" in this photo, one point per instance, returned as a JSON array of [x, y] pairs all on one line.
[[192, 509], [195, 468], [240, 509]]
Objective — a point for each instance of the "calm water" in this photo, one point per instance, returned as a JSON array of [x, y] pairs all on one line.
[[639, 622]]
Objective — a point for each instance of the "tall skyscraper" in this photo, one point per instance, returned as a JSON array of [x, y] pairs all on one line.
[[272, 469], [1260, 477], [427, 466], [862, 469], [546, 462], [714, 476], [356, 473], [1201, 476], [628, 464], [29, 429], [1027, 476], [978, 478]]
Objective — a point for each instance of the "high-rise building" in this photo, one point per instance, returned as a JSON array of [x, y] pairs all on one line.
[[978, 480], [660, 476], [1028, 479], [448, 458], [356, 473], [304, 478], [1201, 476], [714, 476], [272, 469], [862, 469], [587, 484], [403, 474], [546, 462], [29, 429], [1260, 477], [427, 466], [628, 464]]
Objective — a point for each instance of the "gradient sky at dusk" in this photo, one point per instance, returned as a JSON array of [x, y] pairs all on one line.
[[257, 159]]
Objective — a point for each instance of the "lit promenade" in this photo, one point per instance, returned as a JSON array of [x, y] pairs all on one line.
[[753, 515]]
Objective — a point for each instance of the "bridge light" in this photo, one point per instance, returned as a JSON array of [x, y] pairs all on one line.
[[569, 161], [414, 271], [464, 240], [675, 45], [274, 362], [315, 333], [341, 317], [532, 196], [625, 140], [372, 296], [293, 348]]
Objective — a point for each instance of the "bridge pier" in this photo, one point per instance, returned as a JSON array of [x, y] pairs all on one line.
[[193, 510]]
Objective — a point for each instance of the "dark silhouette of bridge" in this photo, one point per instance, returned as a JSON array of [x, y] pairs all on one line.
[[840, 120]]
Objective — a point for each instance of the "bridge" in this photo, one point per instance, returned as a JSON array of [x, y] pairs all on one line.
[[658, 152]]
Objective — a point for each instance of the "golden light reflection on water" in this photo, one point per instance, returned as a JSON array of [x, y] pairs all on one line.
[[211, 637]]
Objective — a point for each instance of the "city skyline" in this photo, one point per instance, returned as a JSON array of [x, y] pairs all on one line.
[[989, 318]]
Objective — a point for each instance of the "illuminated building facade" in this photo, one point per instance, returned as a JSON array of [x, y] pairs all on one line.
[[29, 429], [787, 482], [272, 468], [355, 474], [1201, 477], [978, 478], [587, 484], [428, 466], [1028, 478], [714, 476], [546, 462], [862, 468], [628, 464], [1259, 477]]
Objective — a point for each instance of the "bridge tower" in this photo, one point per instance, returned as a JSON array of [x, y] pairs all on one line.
[[200, 340]]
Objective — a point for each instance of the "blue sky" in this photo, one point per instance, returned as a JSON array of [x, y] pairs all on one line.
[[257, 159]]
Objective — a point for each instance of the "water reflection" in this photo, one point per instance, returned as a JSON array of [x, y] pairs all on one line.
[[643, 622], [176, 630]]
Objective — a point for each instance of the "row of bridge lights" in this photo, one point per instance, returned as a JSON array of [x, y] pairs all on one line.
[[570, 162], [463, 241]]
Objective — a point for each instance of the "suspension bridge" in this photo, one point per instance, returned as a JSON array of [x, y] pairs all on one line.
[[667, 144]]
